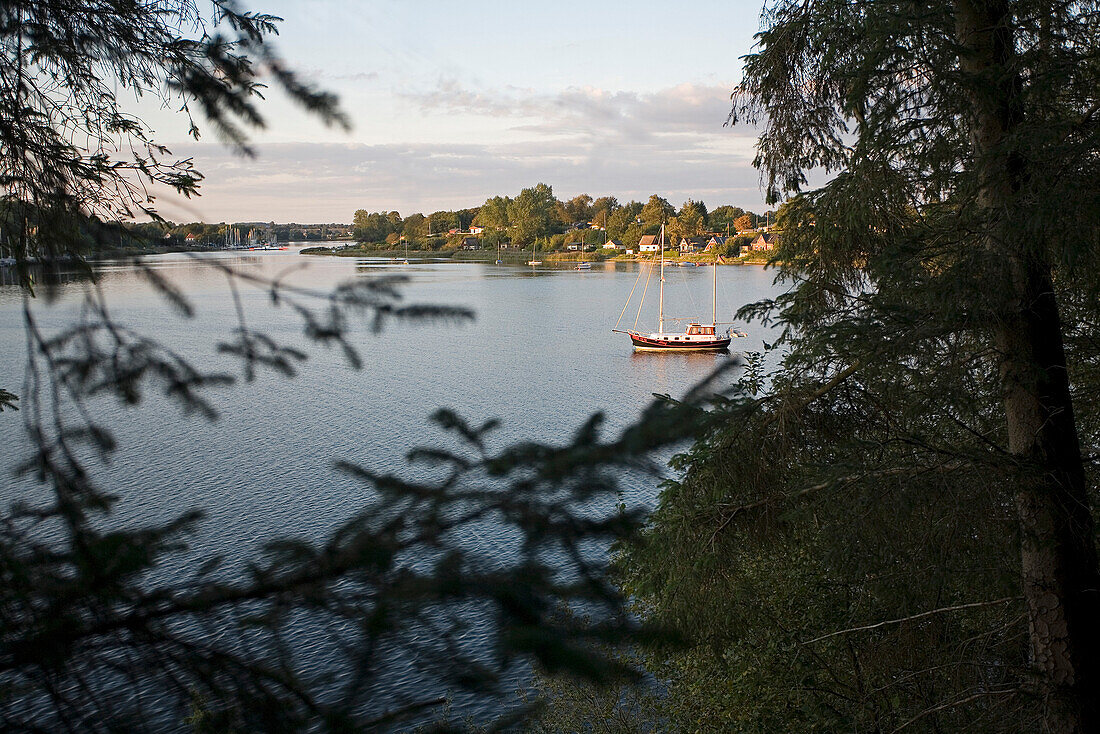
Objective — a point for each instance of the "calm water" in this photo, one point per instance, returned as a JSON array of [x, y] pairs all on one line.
[[540, 356]]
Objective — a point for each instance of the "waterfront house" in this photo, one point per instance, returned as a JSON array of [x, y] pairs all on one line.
[[764, 241], [613, 245], [692, 244], [715, 243], [191, 238], [471, 243], [648, 243]]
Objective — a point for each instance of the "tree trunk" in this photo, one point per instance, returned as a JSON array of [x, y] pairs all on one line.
[[1061, 585]]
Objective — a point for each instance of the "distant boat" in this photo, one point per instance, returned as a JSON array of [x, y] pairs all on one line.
[[583, 266], [499, 261], [698, 337], [533, 261]]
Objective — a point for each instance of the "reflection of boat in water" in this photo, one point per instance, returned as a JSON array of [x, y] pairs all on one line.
[[698, 337]]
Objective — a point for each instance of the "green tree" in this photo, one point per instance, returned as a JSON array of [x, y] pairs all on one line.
[[602, 208], [375, 226], [532, 213], [922, 441], [578, 209], [657, 211], [691, 221], [415, 227], [493, 214], [694, 211], [621, 219], [466, 217], [723, 216]]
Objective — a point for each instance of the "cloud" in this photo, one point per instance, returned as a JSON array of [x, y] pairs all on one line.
[[583, 139], [585, 111], [318, 182]]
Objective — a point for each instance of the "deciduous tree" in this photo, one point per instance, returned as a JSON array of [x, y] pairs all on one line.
[[532, 213]]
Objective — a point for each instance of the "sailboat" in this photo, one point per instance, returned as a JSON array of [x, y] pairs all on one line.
[[533, 260], [406, 252], [582, 265], [698, 337], [499, 261]]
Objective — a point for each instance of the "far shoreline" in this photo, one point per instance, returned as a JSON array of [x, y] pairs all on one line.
[[521, 257]]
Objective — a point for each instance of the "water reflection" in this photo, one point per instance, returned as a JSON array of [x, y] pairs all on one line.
[[45, 274]]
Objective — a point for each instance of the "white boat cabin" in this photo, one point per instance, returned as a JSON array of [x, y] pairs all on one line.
[[694, 333]]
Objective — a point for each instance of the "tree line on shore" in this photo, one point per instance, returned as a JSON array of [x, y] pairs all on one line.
[[25, 226], [536, 217]]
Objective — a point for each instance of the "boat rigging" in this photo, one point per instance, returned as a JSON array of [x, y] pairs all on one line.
[[698, 337]]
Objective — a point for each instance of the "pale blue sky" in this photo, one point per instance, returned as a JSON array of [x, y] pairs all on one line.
[[455, 102]]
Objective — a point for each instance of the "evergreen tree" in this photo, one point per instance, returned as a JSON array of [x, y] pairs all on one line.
[[892, 512], [95, 634]]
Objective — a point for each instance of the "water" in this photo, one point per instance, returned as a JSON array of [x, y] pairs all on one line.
[[540, 356]]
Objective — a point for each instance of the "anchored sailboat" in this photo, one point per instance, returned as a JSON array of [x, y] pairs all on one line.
[[697, 338]]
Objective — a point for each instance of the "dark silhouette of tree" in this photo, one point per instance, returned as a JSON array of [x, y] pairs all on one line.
[[91, 637], [899, 521]]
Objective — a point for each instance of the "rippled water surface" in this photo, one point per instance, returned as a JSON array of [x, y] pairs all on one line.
[[540, 356]]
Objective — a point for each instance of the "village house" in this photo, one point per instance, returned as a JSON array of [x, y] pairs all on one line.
[[191, 238], [648, 243], [471, 243], [613, 245], [715, 243], [474, 229], [692, 244], [764, 241]]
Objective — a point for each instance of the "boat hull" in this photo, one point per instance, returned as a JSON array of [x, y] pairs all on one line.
[[643, 343]]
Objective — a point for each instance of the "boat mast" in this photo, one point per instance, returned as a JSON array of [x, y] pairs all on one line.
[[661, 299], [714, 300]]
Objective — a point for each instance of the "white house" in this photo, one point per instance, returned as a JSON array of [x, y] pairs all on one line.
[[692, 244]]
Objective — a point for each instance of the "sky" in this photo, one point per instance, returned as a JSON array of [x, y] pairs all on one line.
[[452, 103]]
